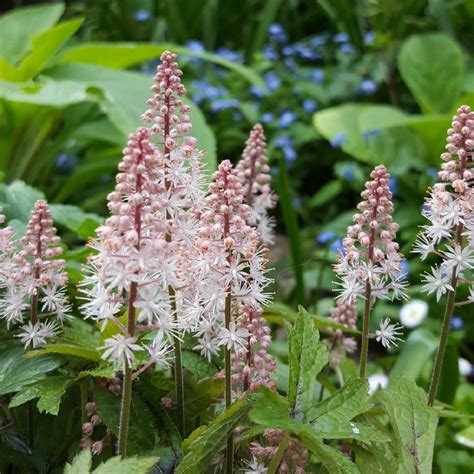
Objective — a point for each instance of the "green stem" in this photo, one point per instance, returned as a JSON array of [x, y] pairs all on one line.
[[178, 377], [83, 388], [127, 379], [364, 350], [228, 387], [276, 460], [438, 365]]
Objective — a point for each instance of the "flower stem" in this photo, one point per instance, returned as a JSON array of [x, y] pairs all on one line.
[[127, 379], [364, 350], [438, 365], [228, 387], [276, 460]]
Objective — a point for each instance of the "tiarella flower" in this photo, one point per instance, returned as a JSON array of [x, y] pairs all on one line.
[[413, 313], [450, 211], [465, 367], [254, 174], [345, 314], [377, 381], [254, 467], [232, 261], [388, 333], [370, 259], [120, 349], [252, 365], [34, 287], [233, 338]]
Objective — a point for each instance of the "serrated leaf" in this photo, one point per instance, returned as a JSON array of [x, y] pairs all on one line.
[[81, 464], [212, 439], [18, 199], [49, 392], [199, 366], [16, 370], [414, 425], [74, 218], [435, 84], [307, 356], [376, 459], [129, 465]]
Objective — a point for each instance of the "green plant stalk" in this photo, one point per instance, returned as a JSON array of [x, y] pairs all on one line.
[[364, 350], [438, 365], [228, 387], [276, 460], [83, 389], [127, 380], [178, 369]]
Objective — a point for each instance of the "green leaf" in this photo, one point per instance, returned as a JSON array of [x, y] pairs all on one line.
[[20, 26], [131, 465], [465, 437], [207, 442], [413, 423], [124, 96], [16, 370], [75, 219], [415, 354], [18, 199], [376, 458], [43, 48], [68, 349], [435, 81], [121, 55], [49, 391], [196, 364], [307, 356], [81, 464], [326, 193]]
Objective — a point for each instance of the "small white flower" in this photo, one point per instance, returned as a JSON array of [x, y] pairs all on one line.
[[233, 338], [35, 335], [465, 367], [159, 351], [459, 258], [119, 350], [254, 467], [437, 282], [388, 333], [377, 381], [413, 313]]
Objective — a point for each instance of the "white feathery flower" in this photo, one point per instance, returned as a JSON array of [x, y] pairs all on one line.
[[458, 258], [465, 367], [233, 338], [413, 313], [160, 351], [436, 282], [254, 467], [35, 335], [119, 349], [388, 333]]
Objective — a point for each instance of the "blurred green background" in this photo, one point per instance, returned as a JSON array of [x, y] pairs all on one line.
[[339, 86]]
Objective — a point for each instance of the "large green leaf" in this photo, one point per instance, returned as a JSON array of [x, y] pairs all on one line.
[[124, 95], [20, 26], [18, 199], [432, 67], [49, 392], [75, 219], [307, 356], [414, 425], [122, 55], [208, 441], [16, 370], [82, 464]]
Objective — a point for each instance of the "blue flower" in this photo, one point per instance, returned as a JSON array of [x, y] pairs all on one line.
[[266, 117], [288, 50], [317, 76], [405, 268], [347, 171], [368, 134], [337, 247], [230, 55], [367, 87], [272, 80], [141, 15], [306, 53], [289, 153], [369, 37], [290, 63], [338, 140], [224, 104], [346, 48], [65, 163], [325, 237], [195, 45], [393, 185], [282, 140], [237, 116], [287, 118], [296, 202], [433, 172], [277, 33], [206, 91], [270, 53], [340, 38], [310, 105], [317, 41], [457, 323], [257, 91], [286, 144]]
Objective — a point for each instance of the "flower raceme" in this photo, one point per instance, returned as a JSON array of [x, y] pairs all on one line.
[[450, 212], [370, 254], [254, 174], [34, 287]]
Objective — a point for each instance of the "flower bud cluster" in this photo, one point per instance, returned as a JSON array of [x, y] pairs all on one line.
[[346, 315], [450, 212], [254, 174], [370, 253]]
